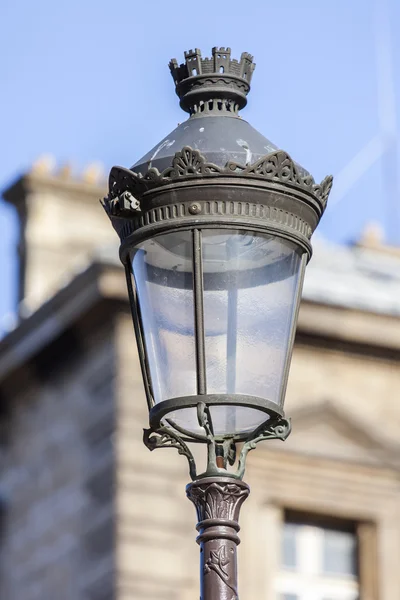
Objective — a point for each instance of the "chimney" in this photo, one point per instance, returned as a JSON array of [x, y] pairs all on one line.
[[61, 225], [373, 238]]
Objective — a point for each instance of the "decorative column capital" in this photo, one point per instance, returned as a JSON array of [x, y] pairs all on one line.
[[218, 498]]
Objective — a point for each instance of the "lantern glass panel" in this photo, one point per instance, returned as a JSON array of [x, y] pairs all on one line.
[[162, 269], [251, 285]]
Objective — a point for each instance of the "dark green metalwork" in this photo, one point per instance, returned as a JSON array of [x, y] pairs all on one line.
[[160, 411], [167, 438], [221, 451]]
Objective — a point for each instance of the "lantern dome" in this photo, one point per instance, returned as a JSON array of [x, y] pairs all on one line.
[[209, 89]]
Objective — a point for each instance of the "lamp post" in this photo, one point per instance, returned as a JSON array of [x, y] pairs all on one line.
[[215, 225]]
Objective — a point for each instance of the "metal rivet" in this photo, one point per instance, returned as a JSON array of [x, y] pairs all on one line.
[[194, 209]]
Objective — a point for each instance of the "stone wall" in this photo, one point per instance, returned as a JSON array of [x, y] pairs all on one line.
[[57, 474], [157, 556]]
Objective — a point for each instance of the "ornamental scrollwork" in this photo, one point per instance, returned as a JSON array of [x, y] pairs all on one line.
[[189, 162], [276, 166], [228, 83], [274, 429], [121, 180], [322, 190], [166, 438], [121, 201], [220, 454]]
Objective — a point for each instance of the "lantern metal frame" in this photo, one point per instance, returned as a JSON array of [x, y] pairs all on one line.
[[185, 190], [272, 196]]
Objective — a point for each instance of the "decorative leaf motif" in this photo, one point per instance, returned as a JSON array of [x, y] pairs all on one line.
[[276, 166], [218, 501], [189, 162], [217, 563], [322, 190]]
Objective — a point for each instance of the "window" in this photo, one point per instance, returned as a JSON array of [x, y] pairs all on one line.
[[319, 560]]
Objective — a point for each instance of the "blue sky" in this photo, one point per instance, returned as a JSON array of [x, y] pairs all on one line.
[[87, 80]]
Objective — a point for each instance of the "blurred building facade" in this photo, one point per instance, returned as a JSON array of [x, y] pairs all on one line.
[[88, 513]]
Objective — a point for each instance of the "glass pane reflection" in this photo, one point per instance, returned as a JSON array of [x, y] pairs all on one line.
[[339, 552], [250, 289]]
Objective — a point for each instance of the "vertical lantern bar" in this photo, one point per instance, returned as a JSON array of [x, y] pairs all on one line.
[[293, 327], [231, 329], [198, 289], [231, 351], [139, 337], [231, 341]]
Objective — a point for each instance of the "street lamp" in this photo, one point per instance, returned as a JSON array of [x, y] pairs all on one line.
[[215, 225]]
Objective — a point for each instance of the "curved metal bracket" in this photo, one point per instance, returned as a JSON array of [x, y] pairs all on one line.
[[277, 429], [166, 438], [220, 451]]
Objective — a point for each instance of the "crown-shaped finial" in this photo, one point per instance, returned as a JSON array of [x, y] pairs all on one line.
[[216, 85]]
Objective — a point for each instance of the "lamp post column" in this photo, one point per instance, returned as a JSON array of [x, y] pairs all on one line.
[[218, 501]]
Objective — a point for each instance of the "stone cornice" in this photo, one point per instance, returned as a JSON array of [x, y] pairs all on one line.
[[98, 282], [32, 182]]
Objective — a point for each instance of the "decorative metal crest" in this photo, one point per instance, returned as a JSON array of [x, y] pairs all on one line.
[[220, 452], [217, 84], [188, 163], [221, 62]]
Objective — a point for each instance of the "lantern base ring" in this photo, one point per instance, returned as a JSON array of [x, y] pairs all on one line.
[[159, 413], [221, 451]]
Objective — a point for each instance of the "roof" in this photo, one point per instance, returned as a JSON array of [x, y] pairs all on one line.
[[353, 277], [346, 276], [100, 281]]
